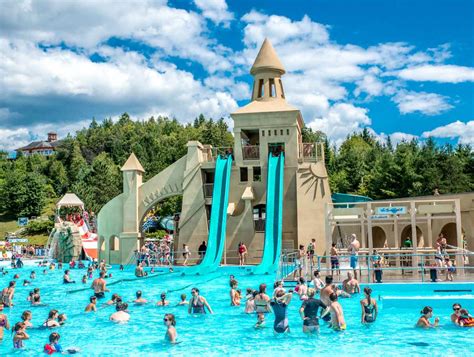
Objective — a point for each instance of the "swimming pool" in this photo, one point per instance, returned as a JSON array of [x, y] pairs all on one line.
[[230, 331]]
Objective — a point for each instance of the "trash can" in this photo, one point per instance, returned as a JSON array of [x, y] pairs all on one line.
[[434, 275]]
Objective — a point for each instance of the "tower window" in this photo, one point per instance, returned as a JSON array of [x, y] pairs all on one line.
[[257, 173], [260, 88], [269, 133], [281, 88], [281, 131], [276, 132], [287, 131], [271, 83], [244, 174], [263, 132]]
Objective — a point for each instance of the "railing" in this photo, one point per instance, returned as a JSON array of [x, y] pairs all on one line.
[[381, 267], [312, 152], [259, 225], [251, 152], [208, 189]]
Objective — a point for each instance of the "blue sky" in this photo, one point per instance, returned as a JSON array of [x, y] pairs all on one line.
[[401, 68]]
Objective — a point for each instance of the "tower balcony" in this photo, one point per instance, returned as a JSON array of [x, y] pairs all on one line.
[[311, 152], [251, 152]]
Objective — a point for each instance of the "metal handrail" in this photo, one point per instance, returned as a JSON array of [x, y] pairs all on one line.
[[418, 264]]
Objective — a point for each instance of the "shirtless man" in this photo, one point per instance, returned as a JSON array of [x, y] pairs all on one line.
[[139, 272], [325, 294], [351, 285], [92, 304], [337, 314], [99, 286], [140, 300], [334, 260], [354, 251], [299, 262]]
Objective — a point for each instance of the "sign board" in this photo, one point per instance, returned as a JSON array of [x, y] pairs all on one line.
[[392, 210], [379, 216], [22, 221], [18, 240]]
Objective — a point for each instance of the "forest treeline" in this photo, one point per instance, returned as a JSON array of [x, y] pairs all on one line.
[[89, 163]]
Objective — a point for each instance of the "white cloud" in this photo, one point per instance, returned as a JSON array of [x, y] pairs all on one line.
[[87, 24], [341, 120], [438, 73], [126, 78], [425, 103], [11, 139], [215, 10], [464, 132]]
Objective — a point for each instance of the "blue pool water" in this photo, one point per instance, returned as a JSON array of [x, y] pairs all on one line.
[[230, 331]]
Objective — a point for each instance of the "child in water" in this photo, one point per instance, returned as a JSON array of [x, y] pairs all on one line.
[[20, 335]]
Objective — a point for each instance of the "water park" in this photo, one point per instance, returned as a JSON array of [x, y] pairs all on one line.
[[259, 246]]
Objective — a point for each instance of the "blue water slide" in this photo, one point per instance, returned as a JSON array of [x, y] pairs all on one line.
[[218, 223], [273, 217]]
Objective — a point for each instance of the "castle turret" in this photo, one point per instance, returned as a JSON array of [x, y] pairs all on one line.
[[132, 180]]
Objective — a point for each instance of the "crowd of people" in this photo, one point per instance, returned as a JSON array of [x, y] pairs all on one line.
[[318, 299]]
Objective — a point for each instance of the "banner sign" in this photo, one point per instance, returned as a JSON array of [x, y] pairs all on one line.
[[379, 216], [22, 221], [18, 240], [392, 210]]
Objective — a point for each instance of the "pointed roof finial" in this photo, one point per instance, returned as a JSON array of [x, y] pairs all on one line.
[[132, 164], [267, 59]]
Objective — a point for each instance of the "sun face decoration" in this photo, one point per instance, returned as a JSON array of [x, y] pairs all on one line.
[[313, 177]]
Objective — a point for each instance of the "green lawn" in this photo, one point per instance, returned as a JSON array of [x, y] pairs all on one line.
[[9, 224]]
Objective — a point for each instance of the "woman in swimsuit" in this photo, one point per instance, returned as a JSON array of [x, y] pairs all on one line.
[[250, 301], [26, 316], [8, 293], [198, 303], [186, 254], [20, 335], [369, 307], [280, 309], [262, 305], [424, 321], [4, 324], [302, 289], [51, 321], [170, 323], [242, 253], [234, 295]]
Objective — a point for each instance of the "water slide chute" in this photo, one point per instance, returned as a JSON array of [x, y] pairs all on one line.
[[273, 219], [218, 222]]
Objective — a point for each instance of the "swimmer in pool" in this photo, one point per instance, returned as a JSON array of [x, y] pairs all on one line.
[[280, 308], [337, 314], [92, 306], [302, 289], [113, 300], [163, 301], [262, 305], [100, 286], [33, 275], [51, 321], [4, 324], [121, 314], [351, 285], [139, 300], [198, 303], [62, 319], [20, 335], [309, 312], [250, 302], [26, 316], [424, 320], [170, 323], [84, 279], [369, 307], [456, 313], [234, 296], [183, 300], [66, 278]]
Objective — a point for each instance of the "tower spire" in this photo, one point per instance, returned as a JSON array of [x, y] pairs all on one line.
[[267, 60]]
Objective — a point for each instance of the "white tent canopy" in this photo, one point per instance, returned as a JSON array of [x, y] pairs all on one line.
[[70, 200]]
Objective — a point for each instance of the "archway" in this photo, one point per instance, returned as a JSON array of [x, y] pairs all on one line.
[[379, 238], [114, 243], [406, 233], [101, 243], [449, 232]]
